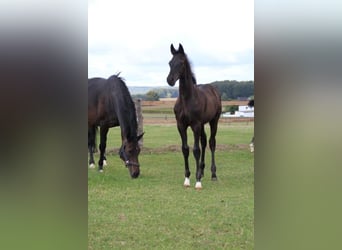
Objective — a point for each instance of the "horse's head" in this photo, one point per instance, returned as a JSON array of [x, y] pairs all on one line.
[[177, 64], [129, 153]]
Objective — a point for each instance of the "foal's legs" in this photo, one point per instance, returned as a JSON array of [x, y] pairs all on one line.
[[212, 145], [204, 145], [91, 146], [102, 146], [185, 149], [197, 153]]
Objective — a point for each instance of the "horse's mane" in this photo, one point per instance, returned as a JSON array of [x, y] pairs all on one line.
[[124, 106], [189, 69], [188, 65]]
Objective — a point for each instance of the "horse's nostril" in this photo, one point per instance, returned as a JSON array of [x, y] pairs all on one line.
[[135, 175]]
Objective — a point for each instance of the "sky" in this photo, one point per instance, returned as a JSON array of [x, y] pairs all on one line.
[[134, 37]]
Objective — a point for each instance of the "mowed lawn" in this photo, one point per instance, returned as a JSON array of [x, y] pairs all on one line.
[[155, 211]]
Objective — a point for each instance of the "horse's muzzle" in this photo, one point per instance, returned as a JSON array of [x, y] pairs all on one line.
[[135, 174], [134, 169], [170, 80]]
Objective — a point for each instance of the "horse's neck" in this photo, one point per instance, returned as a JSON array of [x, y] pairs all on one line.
[[186, 88], [124, 133], [127, 127]]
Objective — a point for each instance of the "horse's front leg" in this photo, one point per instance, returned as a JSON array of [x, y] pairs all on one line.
[[102, 146], [185, 150], [91, 157], [197, 154]]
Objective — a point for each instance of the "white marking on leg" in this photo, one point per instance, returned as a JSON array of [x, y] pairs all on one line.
[[251, 147], [187, 182], [101, 171], [104, 163], [198, 185], [92, 165]]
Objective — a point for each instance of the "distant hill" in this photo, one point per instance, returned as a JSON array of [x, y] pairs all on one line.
[[135, 90], [229, 90]]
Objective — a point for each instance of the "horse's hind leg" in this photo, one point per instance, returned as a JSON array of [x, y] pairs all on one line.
[[212, 145], [102, 146], [204, 145], [251, 145], [91, 146], [104, 160]]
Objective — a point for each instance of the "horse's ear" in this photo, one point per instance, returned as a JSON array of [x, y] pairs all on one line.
[[140, 136], [173, 50], [180, 49]]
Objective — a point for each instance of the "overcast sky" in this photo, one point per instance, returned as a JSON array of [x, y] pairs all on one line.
[[133, 37]]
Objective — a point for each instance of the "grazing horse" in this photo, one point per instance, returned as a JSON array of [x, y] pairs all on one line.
[[196, 105], [251, 145], [110, 105]]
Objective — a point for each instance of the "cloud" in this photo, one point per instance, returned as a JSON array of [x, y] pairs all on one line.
[[135, 36]]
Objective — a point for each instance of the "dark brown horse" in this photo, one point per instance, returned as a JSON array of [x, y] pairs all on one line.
[[196, 105], [110, 105]]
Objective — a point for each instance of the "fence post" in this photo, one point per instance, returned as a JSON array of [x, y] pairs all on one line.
[[139, 120]]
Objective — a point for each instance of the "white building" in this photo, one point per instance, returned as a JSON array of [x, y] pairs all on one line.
[[244, 111]]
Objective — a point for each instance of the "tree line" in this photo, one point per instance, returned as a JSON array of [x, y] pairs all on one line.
[[229, 90], [232, 90]]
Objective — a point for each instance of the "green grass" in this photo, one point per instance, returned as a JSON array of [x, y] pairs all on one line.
[[158, 110], [155, 211]]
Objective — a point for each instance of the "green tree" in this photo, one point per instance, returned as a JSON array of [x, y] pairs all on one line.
[[152, 96], [224, 97]]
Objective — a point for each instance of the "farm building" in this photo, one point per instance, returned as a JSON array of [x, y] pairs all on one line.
[[243, 111]]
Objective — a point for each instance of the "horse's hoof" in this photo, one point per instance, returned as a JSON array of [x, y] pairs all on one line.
[[198, 185], [187, 182], [92, 165], [100, 170], [214, 178]]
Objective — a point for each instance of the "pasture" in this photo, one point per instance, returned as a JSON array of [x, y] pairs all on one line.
[[155, 211]]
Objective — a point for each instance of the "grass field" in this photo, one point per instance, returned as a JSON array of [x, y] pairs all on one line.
[[155, 211]]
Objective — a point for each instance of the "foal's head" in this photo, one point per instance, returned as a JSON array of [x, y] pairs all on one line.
[[178, 65]]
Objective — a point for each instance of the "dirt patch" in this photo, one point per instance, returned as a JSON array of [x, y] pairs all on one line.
[[177, 148]]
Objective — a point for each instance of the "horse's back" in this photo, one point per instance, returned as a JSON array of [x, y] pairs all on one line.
[[206, 108], [211, 94], [101, 107], [210, 90], [96, 82], [101, 87]]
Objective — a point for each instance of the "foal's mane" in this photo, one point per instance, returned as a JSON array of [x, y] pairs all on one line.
[[188, 68]]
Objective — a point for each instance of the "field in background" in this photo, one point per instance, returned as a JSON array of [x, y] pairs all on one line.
[[155, 211], [161, 112]]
